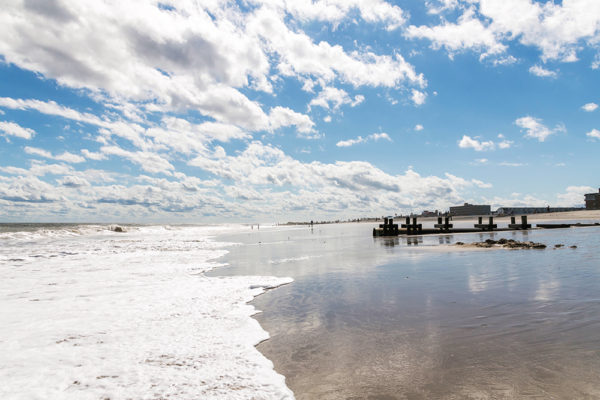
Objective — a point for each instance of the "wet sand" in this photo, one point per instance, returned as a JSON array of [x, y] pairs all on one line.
[[388, 318]]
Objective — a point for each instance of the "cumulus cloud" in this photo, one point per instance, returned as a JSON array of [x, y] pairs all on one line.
[[282, 116], [148, 161], [558, 30], [594, 134], [419, 127], [481, 184], [468, 33], [468, 142], [335, 11], [373, 137], [573, 195], [505, 144], [535, 129], [418, 97], [334, 98], [73, 181], [211, 53], [540, 71], [92, 155], [589, 107], [16, 130]]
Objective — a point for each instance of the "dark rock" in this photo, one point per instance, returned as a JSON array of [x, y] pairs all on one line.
[[558, 245], [502, 241], [573, 247], [459, 243], [118, 229]]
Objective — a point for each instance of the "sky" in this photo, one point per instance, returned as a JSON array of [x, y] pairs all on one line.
[[294, 110]]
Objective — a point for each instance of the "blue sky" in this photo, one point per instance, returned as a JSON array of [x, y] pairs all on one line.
[[277, 110]]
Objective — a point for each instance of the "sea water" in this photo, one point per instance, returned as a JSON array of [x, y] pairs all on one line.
[[90, 313], [161, 312], [419, 318]]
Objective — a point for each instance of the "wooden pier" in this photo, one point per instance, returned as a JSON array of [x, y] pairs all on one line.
[[412, 227]]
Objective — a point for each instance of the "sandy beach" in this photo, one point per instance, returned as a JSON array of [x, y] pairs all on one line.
[[420, 318]]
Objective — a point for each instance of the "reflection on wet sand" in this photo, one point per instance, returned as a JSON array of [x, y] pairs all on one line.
[[385, 319]]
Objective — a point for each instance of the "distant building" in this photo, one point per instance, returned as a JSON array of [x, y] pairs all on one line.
[[592, 201], [533, 210], [426, 213], [470, 209]]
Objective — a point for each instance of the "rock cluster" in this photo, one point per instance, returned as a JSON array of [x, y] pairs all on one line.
[[506, 243]]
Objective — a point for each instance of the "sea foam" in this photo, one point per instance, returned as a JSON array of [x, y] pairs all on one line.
[[89, 313]]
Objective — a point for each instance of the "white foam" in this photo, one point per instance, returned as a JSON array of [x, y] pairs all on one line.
[[101, 314]]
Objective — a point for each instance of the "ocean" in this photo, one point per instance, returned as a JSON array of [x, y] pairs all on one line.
[[90, 313], [185, 312]]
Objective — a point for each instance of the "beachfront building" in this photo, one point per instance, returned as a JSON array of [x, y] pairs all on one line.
[[470, 209], [592, 201], [532, 210]]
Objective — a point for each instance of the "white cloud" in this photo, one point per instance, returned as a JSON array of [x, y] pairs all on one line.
[[573, 195], [282, 116], [559, 31], [419, 127], [373, 137], [93, 156], [418, 97], [334, 11], [210, 57], [469, 33], [481, 184], [589, 107], [535, 129], [477, 145], [300, 56], [13, 129], [556, 29], [511, 164], [148, 161], [50, 108], [540, 71], [505, 144], [327, 118], [594, 134], [66, 156], [334, 98], [481, 161], [73, 181]]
